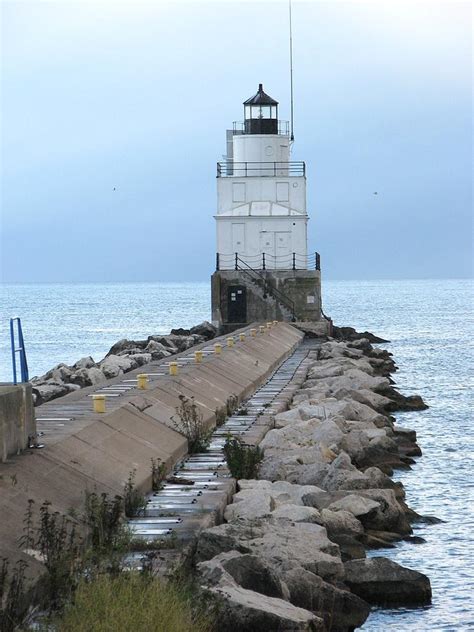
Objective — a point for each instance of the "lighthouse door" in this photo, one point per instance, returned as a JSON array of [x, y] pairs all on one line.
[[282, 249], [236, 304], [238, 237]]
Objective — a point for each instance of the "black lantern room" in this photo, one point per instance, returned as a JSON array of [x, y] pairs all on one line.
[[261, 114]]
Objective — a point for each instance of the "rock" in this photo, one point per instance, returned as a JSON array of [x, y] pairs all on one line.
[[389, 516], [287, 417], [257, 504], [324, 371], [180, 332], [294, 493], [181, 343], [85, 363], [124, 344], [365, 396], [277, 542], [142, 358], [113, 365], [297, 513], [204, 329], [382, 582], [87, 377], [242, 609], [349, 333], [48, 391], [253, 483], [340, 609], [401, 402], [58, 374], [157, 350], [337, 522], [248, 571], [165, 341], [358, 506]]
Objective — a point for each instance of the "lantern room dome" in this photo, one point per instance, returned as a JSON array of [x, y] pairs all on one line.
[[261, 98], [261, 113]]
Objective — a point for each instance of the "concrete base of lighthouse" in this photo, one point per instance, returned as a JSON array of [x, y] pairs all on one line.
[[238, 299]]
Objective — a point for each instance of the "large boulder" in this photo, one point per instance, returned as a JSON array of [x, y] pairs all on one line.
[[242, 609], [58, 374], [382, 582], [297, 513], [114, 365], [287, 417], [399, 401], [350, 334], [340, 609], [84, 363], [204, 329], [157, 350], [341, 522], [125, 344], [280, 543], [142, 358], [256, 504], [358, 506], [49, 390], [248, 571], [87, 377]]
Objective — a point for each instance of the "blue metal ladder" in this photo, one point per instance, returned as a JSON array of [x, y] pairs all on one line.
[[18, 346]]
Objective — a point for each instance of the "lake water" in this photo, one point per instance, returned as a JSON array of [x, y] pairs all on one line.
[[430, 326]]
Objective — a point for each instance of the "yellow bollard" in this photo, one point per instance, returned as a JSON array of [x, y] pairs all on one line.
[[269, 325], [217, 348], [275, 322], [142, 380], [253, 333], [262, 329], [230, 341], [198, 356], [173, 368], [242, 337], [98, 402]]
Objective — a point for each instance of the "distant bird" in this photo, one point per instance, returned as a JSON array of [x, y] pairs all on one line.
[[114, 188], [375, 192]]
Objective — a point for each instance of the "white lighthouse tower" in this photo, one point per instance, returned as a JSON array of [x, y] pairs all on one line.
[[263, 269]]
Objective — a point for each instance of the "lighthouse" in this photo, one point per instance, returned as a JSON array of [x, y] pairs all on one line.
[[263, 268]]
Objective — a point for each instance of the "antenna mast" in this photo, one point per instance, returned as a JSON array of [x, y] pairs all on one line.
[[292, 137]]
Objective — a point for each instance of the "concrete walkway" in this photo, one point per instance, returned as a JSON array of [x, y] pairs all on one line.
[[89, 451]]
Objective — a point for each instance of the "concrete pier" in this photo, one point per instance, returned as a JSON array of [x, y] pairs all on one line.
[[85, 450]]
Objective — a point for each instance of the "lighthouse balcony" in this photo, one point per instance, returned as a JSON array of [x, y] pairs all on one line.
[[229, 168], [261, 125], [268, 261]]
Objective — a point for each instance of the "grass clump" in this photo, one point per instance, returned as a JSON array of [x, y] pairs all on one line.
[[243, 460], [131, 602], [134, 502], [190, 423]]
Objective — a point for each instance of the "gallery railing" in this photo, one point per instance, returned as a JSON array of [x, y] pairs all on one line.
[[267, 261], [294, 168]]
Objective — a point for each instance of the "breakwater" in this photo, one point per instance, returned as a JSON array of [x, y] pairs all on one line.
[[336, 359], [323, 497], [124, 356]]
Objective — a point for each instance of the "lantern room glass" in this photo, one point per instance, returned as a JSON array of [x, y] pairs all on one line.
[[261, 112]]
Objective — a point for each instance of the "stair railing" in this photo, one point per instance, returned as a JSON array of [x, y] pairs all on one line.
[[260, 279], [16, 338]]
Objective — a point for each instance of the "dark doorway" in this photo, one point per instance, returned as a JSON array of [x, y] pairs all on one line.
[[236, 304]]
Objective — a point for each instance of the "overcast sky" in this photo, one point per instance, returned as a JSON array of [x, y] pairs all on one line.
[[114, 115]]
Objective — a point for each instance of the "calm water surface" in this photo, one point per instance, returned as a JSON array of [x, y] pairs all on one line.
[[429, 324]]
